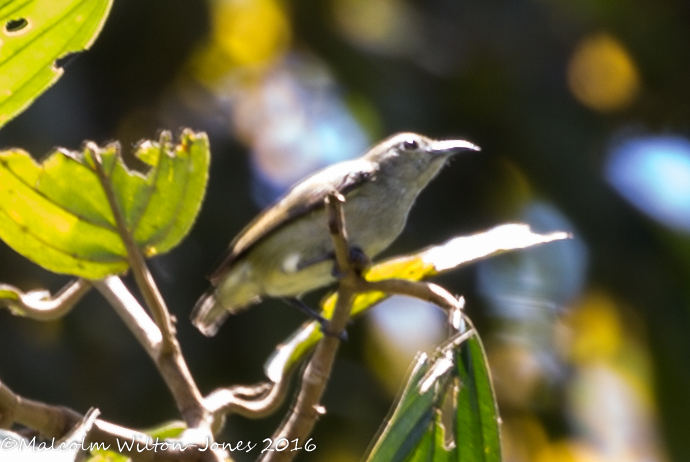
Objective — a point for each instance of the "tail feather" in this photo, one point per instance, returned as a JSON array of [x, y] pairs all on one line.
[[209, 314]]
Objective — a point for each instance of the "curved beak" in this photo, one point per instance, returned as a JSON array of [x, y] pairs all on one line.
[[449, 147]]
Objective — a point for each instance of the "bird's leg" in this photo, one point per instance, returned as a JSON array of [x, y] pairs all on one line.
[[300, 305]]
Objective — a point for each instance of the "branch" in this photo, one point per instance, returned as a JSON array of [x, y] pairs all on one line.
[[172, 367], [300, 422], [306, 410], [147, 286], [426, 291], [134, 316], [39, 305], [254, 402], [168, 356], [57, 421]]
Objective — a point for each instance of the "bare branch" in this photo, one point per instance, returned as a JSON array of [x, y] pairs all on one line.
[[253, 402], [171, 366], [39, 304], [168, 356], [57, 421], [306, 410], [422, 290], [131, 312], [149, 290], [336, 225]]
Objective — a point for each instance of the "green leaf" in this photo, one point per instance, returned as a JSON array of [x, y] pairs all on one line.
[[420, 265], [477, 433], [8, 292], [456, 384], [410, 421], [33, 35], [58, 213]]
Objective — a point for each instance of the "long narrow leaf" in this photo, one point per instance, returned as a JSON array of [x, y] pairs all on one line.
[[477, 435], [409, 424], [465, 404]]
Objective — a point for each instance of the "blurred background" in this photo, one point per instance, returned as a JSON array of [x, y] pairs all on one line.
[[582, 110]]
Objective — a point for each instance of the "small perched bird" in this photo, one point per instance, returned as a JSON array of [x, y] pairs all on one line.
[[287, 250]]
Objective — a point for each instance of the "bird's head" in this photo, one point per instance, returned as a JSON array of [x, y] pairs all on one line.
[[413, 157]]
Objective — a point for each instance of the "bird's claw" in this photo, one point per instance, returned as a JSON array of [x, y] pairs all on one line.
[[326, 331], [358, 259]]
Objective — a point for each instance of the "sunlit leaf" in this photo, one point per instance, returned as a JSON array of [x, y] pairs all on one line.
[[455, 383], [33, 35], [58, 214], [8, 292], [421, 265], [409, 423], [477, 436]]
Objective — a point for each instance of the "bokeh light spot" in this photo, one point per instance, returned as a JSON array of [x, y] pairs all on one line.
[[653, 173], [602, 75], [399, 328], [569, 451], [387, 26], [597, 333], [251, 31]]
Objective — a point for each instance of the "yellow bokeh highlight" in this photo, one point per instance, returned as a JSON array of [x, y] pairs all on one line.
[[250, 31], [597, 333], [523, 436], [602, 75], [366, 21], [570, 451]]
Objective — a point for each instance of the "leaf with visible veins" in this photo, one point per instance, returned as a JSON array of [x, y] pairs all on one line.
[[58, 215]]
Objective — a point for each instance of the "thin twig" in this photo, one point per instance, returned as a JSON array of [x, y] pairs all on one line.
[[39, 305], [147, 286], [172, 367], [253, 402], [426, 291], [302, 344], [306, 410], [168, 357], [134, 316]]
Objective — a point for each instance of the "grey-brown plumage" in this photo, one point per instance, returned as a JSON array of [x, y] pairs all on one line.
[[287, 250]]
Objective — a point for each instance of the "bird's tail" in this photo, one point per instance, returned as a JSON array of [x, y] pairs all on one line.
[[209, 314]]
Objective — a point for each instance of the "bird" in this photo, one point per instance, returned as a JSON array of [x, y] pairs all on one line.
[[287, 250]]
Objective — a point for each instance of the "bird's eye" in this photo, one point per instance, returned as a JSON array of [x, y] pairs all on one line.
[[410, 145]]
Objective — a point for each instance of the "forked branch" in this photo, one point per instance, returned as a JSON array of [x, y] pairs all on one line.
[[307, 408]]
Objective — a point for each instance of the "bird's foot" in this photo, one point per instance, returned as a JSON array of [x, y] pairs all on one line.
[[358, 259]]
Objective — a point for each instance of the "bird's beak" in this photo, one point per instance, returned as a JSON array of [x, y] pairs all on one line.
[[449, 147]]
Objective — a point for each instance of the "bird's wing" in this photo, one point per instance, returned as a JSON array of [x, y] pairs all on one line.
[[303, 198]]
